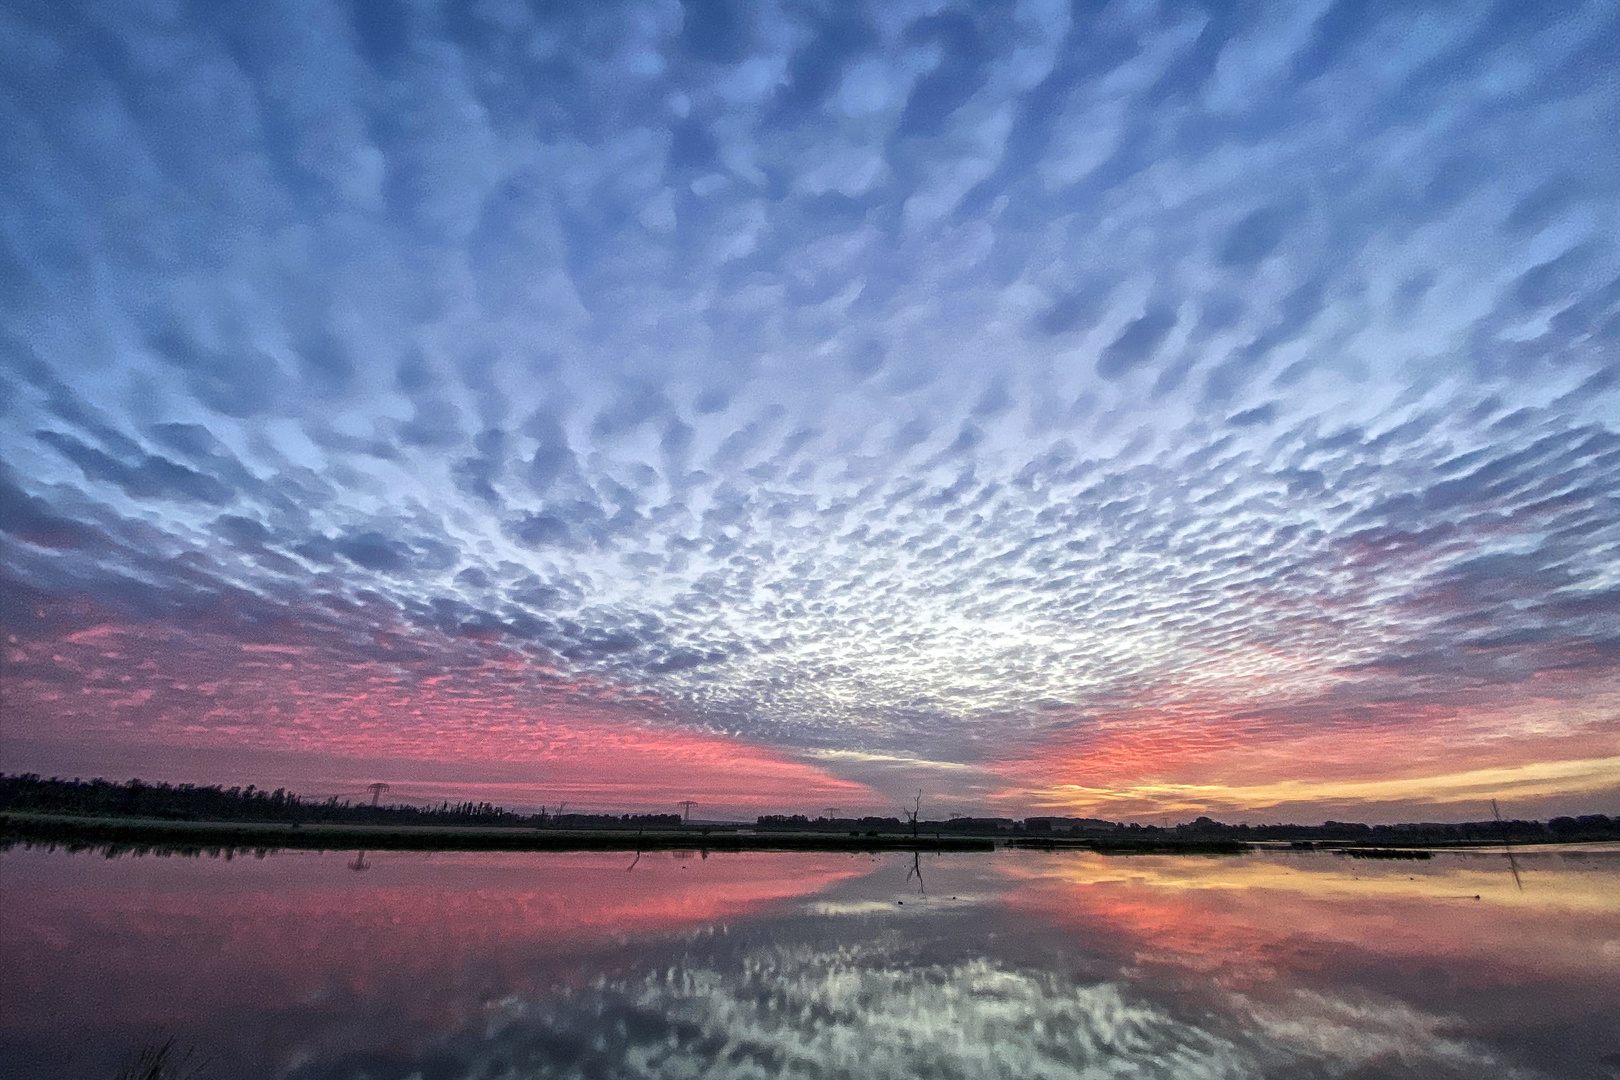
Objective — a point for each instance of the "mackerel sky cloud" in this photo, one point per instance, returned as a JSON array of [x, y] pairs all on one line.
[[1127, 409]]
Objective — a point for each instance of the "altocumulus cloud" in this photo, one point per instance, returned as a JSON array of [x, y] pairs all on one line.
[[892, 379]]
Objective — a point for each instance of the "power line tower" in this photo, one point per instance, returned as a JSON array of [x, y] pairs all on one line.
[[376, 792], [686, 805], [831, 812]]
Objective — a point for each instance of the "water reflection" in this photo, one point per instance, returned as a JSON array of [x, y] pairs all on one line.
[[1448, 967], [1017, 964]]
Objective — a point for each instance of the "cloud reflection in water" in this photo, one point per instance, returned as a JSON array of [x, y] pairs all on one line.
[[1015, 965]]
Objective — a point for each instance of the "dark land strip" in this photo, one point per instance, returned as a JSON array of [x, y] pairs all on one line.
[[135, 815], [134, 833]]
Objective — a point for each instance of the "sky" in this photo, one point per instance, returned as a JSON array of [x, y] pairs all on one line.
[[1128, 410]]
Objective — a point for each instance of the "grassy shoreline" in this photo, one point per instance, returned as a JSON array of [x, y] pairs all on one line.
[[68, 830], [159, 834]]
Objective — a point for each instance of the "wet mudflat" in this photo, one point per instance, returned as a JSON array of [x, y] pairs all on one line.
[[1014, 964]]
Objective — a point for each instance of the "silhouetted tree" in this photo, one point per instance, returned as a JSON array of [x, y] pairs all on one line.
[[913, 813]]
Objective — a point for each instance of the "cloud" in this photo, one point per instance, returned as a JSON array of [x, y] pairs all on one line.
[[31, 520], [1136, 343], [887, 382], [152, 477]]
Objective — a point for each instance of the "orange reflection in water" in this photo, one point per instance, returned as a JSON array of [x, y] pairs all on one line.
[[1243, 921]]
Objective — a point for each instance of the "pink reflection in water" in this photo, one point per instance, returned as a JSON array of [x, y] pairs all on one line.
[[103, 954]]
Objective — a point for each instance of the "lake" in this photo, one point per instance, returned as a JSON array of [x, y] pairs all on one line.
[[1017, 964]]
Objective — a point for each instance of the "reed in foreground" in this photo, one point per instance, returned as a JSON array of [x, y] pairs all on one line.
[[163, 1061]]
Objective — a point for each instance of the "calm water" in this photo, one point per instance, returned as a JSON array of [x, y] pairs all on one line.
[[1013, 965]]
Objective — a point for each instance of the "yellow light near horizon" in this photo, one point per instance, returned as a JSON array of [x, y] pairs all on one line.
[[1532, 780], [1327, 877]]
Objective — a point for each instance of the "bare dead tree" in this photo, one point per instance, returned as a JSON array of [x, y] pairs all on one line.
[[914, 812]]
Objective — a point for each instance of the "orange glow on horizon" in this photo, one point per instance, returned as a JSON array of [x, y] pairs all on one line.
[[1198, 756]]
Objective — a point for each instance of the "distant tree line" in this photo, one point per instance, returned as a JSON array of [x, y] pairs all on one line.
[[1586, 827], [801, 823], [191, 802]]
